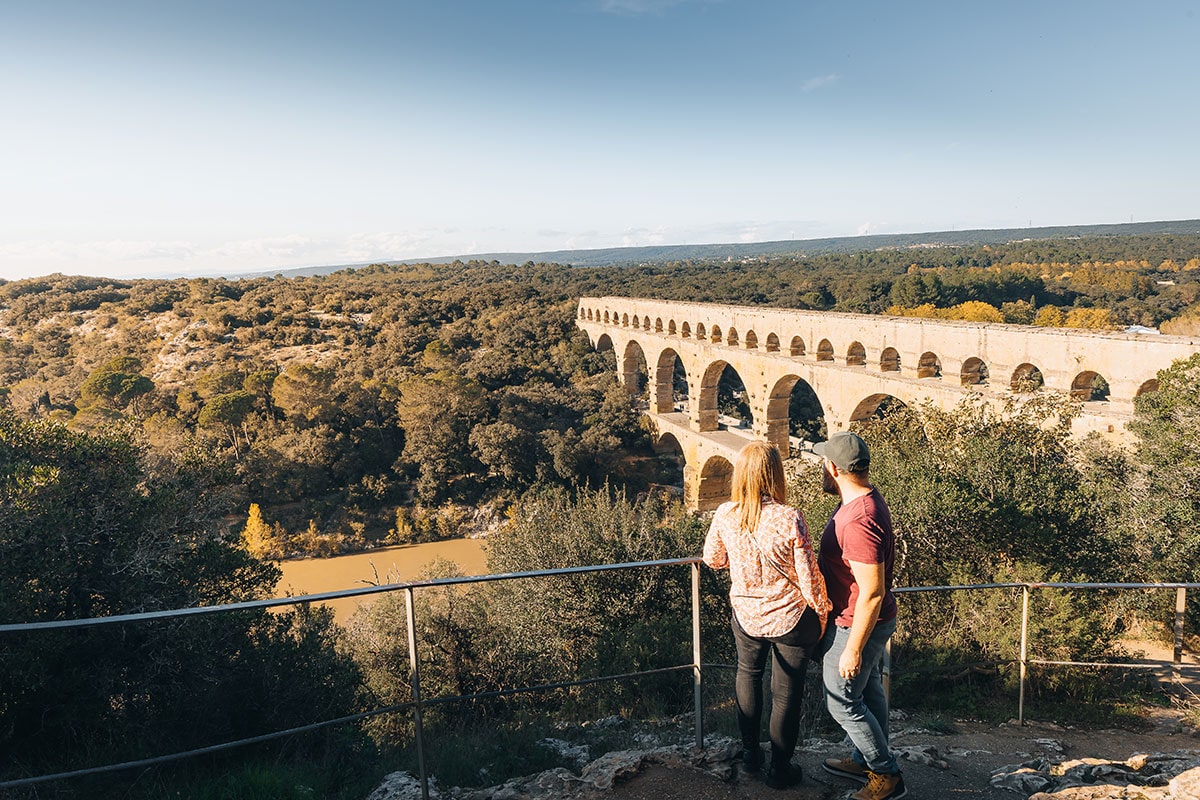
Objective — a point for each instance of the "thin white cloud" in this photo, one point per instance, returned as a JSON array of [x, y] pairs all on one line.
[[642, 237], [268, 249], [812, 84]]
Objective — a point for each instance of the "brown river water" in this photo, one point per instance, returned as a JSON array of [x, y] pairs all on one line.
[[384, 565]]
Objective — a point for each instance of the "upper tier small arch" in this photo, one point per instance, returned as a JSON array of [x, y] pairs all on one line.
[[1089, 386], [929, 366], [1027, 378], [973, 372]]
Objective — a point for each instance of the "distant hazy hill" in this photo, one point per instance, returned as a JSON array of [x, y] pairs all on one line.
[[625, 256]]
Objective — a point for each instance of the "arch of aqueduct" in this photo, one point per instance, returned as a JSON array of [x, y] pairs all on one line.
[[853, 362]]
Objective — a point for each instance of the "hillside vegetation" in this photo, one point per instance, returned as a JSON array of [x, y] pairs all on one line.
[[338, 398]]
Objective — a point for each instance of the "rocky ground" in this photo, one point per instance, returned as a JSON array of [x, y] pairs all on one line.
[[973, 761], [966, 760]]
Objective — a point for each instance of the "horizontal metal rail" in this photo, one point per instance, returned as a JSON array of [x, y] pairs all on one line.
[[417, 703], [254, 605], [964, 587], [1115, 664], [375, 712], [200, 751]]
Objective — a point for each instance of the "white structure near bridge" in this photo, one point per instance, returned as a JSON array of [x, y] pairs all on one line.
[[854, 363]]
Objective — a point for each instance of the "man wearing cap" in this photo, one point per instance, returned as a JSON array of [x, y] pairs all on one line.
[[856, 560]]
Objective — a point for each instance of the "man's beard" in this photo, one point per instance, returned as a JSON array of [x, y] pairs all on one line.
[[828, 484]]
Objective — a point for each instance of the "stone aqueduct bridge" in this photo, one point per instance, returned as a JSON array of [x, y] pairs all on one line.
[[854, 362]]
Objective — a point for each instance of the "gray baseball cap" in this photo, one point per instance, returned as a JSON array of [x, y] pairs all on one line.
[[846, 450]]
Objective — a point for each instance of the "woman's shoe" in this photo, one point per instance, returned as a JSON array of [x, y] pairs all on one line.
[[752, 759], [782, 774]]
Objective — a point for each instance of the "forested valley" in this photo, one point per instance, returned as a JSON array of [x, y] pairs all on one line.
[[337, 399], [163, 441]]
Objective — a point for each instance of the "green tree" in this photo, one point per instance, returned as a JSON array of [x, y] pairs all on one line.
[[437, 413], [115, 385], [259, 384], [228, 412], [584, 625], [1165, 519], [305, 393]]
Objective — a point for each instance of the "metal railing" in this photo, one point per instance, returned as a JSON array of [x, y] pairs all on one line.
[[1024, 661], [419, 703]]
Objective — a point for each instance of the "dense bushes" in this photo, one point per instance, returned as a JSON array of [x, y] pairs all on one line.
[[86, 530], [505, 635]]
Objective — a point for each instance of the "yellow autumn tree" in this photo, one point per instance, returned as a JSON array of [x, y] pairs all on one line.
[[256, 536], [1090, 318], [925, 310], [1048, 317], [976, 311], [1186, 324]]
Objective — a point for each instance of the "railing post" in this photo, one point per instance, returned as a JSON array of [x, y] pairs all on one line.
[[887, 671], [415, 680], [1024, 652], [1180, 607], [697, 675]]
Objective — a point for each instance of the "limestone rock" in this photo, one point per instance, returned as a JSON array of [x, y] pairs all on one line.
[[1024, 780], [612, 767], [924, 754], [1107, 772], [576, 753], [1185, 785], [402, 786], [1105, 793], [1156, 776]]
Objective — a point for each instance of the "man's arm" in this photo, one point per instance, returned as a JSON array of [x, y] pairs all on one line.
[[870, 579]]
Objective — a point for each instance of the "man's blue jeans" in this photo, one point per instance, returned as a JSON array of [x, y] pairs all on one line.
[[859, 705]]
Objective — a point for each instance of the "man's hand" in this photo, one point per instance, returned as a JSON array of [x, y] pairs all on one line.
[[849, 664]]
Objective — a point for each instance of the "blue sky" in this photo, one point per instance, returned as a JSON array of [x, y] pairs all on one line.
[[180, 138]]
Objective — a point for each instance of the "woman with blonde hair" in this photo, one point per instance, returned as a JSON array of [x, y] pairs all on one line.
[[779, 603]]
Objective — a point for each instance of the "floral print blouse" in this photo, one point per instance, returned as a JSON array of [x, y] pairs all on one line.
[[766, 603]]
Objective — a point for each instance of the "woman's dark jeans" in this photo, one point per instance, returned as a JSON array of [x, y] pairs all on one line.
[[791, 653]]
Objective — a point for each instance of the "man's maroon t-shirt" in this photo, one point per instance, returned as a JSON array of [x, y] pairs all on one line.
[[861, 531]]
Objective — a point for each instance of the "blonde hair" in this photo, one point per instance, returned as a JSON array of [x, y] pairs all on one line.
[[757, 472]]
